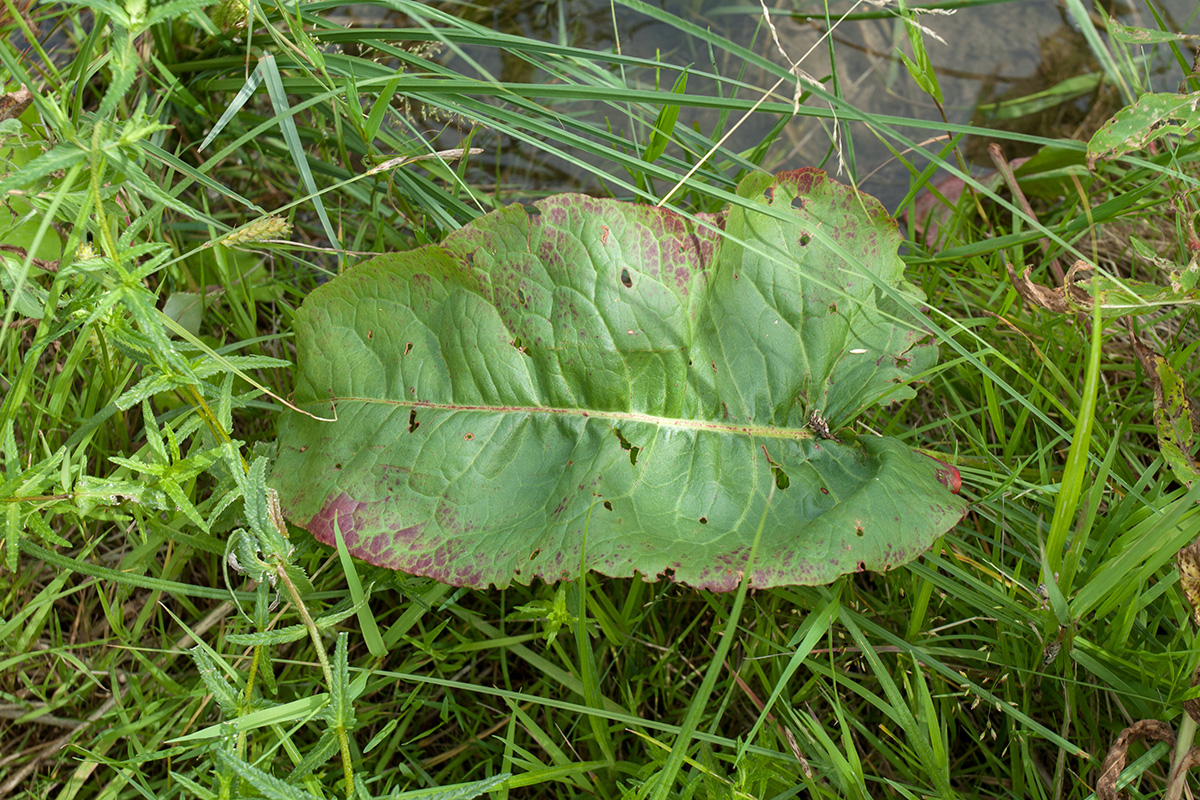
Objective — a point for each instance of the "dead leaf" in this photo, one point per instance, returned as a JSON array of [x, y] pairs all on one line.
[[1149, 730], [1192, 707], [1041, 296], [13, 104], [1177, 780], [1188, 561], [1069, 299]]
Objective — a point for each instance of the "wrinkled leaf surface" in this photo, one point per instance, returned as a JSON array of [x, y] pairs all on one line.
[[613, 383], [1150, 117], [1175, 418]]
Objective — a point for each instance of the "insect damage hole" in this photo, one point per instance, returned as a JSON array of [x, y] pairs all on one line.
[[626, 280], [782, 481], [408, 348], [412, 421], [625, 445]]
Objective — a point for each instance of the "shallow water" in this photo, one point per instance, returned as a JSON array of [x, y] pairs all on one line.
[[988, 52]]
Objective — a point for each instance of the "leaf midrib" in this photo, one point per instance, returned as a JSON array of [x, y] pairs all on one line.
[[752, 431]]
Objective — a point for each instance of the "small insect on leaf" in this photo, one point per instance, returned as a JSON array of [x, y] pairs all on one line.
[[819, 425]]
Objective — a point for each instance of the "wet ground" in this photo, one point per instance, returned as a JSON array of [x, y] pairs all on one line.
[[990, 55]]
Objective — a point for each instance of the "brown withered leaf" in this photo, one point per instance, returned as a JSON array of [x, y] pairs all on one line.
[[1083, 287], [1068, 299], [1041, 296], [1188, 562], [13, 104], [1177, 780], [1192, 707], [1149, 730]]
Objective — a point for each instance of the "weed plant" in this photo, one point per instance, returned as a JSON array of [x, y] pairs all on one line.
[[184, 173]]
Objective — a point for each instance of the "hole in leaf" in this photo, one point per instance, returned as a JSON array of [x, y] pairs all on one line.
[[370, 334], [412, 421], [626, 281], [797, 202], [408, 348], [468, 436], [768, 193], [608, 505], [337, 466], [782, 481], [520, 297], [833, 308], [859, 532], [862, 566], [704, 520], [535, 554], [804, 240], [517, 343], [625, 445]]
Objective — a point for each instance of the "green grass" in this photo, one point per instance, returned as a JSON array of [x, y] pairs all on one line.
[[141, 371]]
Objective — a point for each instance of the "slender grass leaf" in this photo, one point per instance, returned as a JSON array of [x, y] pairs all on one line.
[[235, 105], [366, 619], [1081, 17], [297, 710], [473, 789], [664, 124], [287, 124]]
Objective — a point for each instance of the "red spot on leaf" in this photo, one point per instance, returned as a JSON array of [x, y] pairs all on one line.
[[947, 475]]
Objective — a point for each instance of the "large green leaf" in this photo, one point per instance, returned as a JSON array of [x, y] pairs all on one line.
[[613, 382]]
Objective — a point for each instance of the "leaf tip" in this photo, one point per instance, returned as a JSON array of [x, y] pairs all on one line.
[[947, 475]]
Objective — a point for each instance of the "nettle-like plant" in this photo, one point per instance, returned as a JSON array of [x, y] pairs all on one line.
[[608, 386]]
